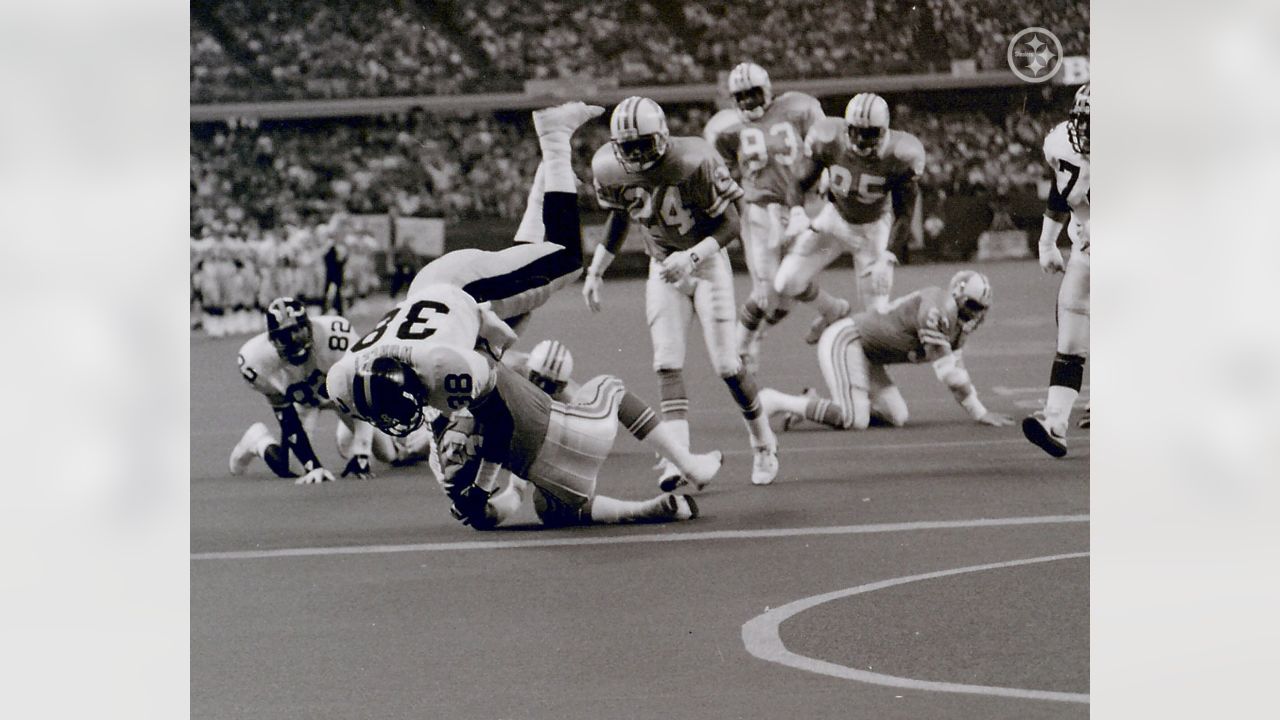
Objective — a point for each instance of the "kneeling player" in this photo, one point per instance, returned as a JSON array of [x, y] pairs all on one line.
[[928, 325], [511, 424], [288, 365]]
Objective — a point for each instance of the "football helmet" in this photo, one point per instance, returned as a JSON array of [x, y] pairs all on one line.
[[972, 293], [390, 394], [550, 365], [289, 329], [1078, 123], [639, 134], [868, 118], [751, 90]]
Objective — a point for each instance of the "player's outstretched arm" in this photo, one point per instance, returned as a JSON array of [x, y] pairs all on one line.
[[615, 234], [949, 368], [294, 438]]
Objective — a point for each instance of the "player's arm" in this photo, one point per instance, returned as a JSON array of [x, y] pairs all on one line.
[[818, 142], [948, 366], [1056, 214], [718, 194], [615, 233], [341, 335], [905, 192]]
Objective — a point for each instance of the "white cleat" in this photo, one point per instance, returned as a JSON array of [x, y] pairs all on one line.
[[686, 508], [1051, 439], [764, 466], [669, 477], [564, 118], [244, 451], [702, 469]]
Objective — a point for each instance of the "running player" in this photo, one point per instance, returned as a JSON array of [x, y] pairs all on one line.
[[287, 364], [929, 325], [766, 149], [873, 174], [680, 191], [1066, 149]]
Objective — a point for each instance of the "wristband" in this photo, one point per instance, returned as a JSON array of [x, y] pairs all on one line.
[[973, 405]]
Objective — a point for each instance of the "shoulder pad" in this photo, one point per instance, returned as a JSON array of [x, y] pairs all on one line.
[[605, 167], [259, 353], [691, 152], [1056, 143]]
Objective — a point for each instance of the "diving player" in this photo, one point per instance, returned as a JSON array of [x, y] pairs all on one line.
[[929, 325], [583, 420], [873, 173], [1066, 149], [680, 191], [766, 149], [288, 364]]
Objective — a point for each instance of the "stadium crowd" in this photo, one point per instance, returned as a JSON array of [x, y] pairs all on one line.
[[318, 49]]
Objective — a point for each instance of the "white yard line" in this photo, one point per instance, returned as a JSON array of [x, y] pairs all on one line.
[[644, 538]]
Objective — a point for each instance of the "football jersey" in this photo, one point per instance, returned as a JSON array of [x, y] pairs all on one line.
[[284, 383], [901, 332], [1071, 175], [770, 153], [679, 201], [860, 186], [435, 316], [513, 418]]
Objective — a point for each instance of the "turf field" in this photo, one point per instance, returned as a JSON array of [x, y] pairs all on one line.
[[934, 571]]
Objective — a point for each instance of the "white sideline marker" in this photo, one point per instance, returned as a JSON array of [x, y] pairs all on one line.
[[645, 538]]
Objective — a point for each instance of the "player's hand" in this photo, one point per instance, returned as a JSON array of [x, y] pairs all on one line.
[[494, 330], [591, 291], [677, 266], [797, 223], [359, 468], [995, 420], [319, 475], [1051, 260]]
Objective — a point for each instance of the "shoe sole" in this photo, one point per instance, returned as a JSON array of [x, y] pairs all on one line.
[[693, 506], [1040, 437]]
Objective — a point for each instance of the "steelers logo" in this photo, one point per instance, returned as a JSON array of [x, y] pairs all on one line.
[[1035, 55]]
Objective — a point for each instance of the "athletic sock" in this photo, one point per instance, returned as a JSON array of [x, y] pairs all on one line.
[[605, 509], [742, 387], [675, 399], [1065, 380], [750, 315], [636, 416], [531, 229], [822, 410]]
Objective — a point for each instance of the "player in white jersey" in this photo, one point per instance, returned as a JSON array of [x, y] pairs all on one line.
[[928, 325], [1066, 149], [766, 150], [288, 364]]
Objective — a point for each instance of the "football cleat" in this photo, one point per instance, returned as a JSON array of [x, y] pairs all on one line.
[[824, 320], [764, 466], [245, 451], [564, 118], [670, 477], [792, 419], [1084, 420], [1052, 440], [685, 507], [703, 469]]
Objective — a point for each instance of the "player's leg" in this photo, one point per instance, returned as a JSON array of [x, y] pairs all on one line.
[[258, 441], [812, 251], [669, 311], [713, 301], [531, 229], [663, 438], [873, 262], [845, 370], [762, 243], [887, 403], [1048, 429]]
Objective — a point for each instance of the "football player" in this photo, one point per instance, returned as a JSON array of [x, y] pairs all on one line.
[[288, 364], [549, 365], [679, 190], [873, 176], [1066, 149], [766, 149], [929, 325]]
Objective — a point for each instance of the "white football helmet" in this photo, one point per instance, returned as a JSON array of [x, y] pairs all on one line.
[[638, 131], [972, 293], [1078, 124], [550, 366], [751, 90], [868, 118]]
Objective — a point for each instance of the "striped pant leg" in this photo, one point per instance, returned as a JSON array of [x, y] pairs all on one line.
[[845, 369], [713, 301], [579, 437]]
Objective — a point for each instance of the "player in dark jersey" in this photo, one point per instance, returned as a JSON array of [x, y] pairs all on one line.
[[873, 173], [681, 194], [766, 150], [929, 325]]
